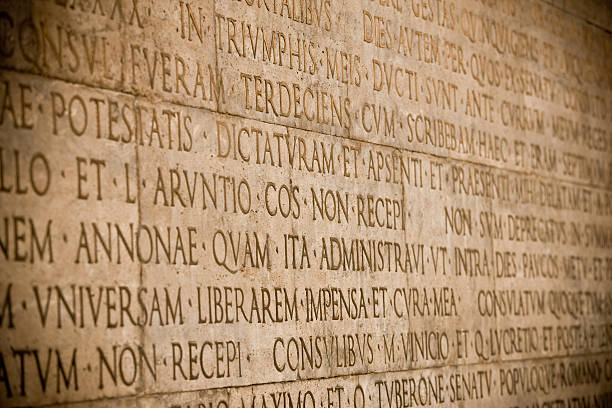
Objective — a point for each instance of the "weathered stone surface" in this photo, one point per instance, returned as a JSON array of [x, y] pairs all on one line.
[[303, 204]]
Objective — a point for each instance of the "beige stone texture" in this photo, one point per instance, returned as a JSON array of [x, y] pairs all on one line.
[[305, 203]]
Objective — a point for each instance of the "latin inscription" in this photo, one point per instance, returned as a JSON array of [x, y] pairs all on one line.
[[305, 204]]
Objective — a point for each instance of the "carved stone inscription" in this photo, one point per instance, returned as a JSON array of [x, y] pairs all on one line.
[[305, 203]]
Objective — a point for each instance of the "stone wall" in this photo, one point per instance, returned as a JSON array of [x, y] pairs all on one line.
[[305, 203]]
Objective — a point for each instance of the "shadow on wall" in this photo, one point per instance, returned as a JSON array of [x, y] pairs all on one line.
[[36, 36], [22, 29]]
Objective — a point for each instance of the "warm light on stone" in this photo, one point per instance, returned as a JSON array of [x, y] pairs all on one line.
[[305, 203]]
